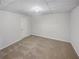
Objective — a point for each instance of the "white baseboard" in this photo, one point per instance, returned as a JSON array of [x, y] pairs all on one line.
[[12, 43], [75, 47], [59, 39]]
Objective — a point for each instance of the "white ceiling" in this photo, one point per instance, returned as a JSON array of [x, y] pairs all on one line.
[[48, 6]]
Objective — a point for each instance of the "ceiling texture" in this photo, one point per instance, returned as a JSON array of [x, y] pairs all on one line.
[[47, 6]]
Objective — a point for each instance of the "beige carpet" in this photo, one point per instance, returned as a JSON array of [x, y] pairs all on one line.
[[35, 47]]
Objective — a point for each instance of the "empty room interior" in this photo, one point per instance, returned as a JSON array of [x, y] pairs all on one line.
[[39, 29]]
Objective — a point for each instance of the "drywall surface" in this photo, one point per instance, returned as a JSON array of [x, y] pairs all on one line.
[[75, 29], [55, 26], [25, 26], [13, 27]]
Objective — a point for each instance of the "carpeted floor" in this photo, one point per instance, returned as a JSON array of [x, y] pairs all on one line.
[[34, 47]]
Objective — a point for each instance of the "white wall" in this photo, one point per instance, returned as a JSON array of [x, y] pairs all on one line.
[[55, 26], [13, 27], [75, 29], [25, 26]]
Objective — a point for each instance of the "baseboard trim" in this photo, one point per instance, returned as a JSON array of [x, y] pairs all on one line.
[[34, 35], [14, 42], [57, 40], [74, 46], [51, 38]]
